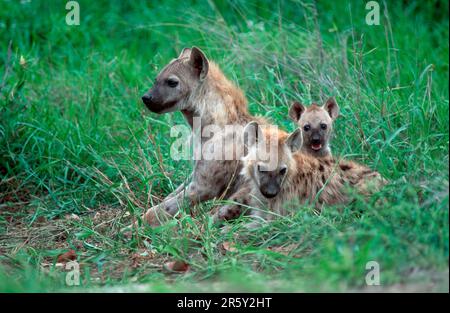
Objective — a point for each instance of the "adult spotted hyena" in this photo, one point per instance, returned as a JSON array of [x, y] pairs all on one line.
[[316, 123], [197, 87], [290, 174]]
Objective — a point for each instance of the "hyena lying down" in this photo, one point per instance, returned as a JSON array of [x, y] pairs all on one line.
[[316, 124], [289, 174], [196, 87]]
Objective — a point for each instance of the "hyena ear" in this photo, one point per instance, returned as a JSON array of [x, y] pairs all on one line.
[[199, 62], [332, 108], [295, 140], [252, 135], [296, 110], [185, 53]]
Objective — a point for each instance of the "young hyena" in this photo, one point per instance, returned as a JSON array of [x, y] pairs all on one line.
[[316, 123], [292, 175], [197, 87]]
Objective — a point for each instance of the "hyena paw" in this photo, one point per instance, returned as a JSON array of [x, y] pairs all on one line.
[[228, 212], [155, 217], [226, 229], [127, 231]]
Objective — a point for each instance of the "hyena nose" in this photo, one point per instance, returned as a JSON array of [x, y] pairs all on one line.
[[270, 191], [147, 98]]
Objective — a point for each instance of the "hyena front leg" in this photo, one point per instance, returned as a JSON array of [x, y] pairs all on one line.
[[208, 182], [258, 218], [161, 212], [246, 203], [241, 199], [193, 194]]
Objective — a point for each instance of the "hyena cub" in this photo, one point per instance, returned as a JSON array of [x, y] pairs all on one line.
[[289, 174], [316, 123]]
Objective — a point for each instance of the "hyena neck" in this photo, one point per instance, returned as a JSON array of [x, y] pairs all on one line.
[[217, 101], [189, 116]]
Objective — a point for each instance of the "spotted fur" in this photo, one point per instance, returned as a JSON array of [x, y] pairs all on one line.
[[322, 181]]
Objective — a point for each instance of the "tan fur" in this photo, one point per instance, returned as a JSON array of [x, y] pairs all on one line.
[[243, 197], [308, 179], [206, 93], [218, 101]]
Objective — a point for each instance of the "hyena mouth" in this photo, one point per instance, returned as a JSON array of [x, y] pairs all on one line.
[[316, 146], [160, 108], [269, 194]]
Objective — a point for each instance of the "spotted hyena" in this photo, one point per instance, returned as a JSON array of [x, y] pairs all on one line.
[[292, 175], [197, 87], [316, 123]]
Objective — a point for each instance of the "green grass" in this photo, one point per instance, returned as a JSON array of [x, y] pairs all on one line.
[[76, 139]]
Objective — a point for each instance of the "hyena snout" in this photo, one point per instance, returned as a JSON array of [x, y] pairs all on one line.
[[147, 99], [316, 140], [154, 103], [269, 187], [269, 190]]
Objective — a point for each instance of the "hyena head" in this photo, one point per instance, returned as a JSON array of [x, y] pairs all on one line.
[[268, 160], [316, 123], [176, 82]]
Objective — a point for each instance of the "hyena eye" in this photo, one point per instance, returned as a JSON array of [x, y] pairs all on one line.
[[283, 171], [323, 126], [172, 82], [306, 127]]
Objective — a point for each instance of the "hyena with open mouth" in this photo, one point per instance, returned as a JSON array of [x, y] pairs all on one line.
[[316, 123], [289, 174], [196, 87]]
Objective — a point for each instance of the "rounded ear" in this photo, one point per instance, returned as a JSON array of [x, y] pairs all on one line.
[[252, 135], [199, 62], [296, 110], [185, 53], [295, 140], [332, 108]]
